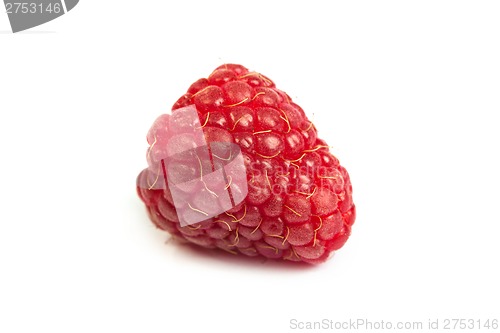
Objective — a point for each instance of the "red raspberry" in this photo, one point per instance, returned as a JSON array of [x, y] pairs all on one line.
[[299, 203]]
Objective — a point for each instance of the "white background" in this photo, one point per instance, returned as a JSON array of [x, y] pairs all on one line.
[[406, 92]]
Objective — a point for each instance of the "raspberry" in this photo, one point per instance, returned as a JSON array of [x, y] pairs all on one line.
[[288, 196]]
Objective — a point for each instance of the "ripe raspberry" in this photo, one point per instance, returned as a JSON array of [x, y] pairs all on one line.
[[299, 203]]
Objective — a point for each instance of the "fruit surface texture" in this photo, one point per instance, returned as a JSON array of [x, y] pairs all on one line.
[[252, 177]]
